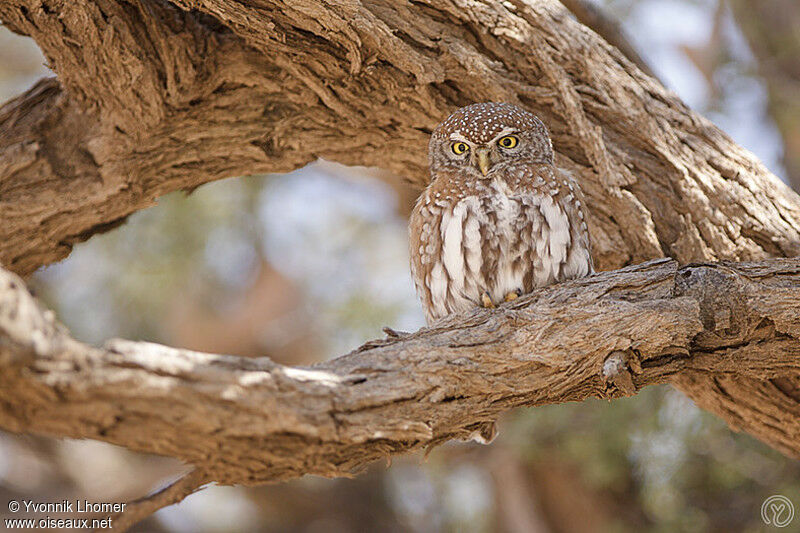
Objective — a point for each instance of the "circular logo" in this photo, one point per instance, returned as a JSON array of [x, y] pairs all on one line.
[[777, 511]]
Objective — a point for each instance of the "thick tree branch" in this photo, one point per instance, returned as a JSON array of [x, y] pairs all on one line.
[[248, 421], [609, 29], [154, 99]]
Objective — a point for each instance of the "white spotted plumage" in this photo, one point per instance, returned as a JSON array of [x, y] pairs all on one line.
[[493, 234]]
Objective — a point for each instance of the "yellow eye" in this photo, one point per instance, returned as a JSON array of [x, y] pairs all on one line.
[[509, 141], [460, 148]]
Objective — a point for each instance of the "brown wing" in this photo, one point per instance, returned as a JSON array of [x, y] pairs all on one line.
[[570, 196], [553, 213], [425, 248]]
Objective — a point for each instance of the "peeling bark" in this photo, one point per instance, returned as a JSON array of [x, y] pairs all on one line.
[[590, 15], [242, 420], [152, 98]]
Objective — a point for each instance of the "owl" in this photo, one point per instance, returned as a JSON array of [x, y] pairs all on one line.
[[498, 219]]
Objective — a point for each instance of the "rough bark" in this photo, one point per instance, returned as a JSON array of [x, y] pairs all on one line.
[[152, 99], [243, 420], [592, 16]]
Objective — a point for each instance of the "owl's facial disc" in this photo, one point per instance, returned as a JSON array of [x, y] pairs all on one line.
[[478, 156]]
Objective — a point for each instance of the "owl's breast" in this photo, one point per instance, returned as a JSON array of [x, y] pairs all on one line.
[[504, 224], [501, 241], [481, 248], [492, 239]]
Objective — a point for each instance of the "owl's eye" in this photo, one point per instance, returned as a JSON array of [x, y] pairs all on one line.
[[460, 148], [509, 141]]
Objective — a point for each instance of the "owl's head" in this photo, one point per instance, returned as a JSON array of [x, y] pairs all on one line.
[[481, 138]]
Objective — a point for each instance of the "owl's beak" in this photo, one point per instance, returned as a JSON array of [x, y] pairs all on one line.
[[483, 160]]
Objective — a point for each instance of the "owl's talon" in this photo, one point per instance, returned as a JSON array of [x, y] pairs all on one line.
[[513, 295], [486, 300]]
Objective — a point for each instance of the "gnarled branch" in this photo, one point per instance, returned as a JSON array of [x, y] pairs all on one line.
[[156, 96], [248, 421]]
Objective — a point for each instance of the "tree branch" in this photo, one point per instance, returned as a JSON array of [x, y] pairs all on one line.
[[609, 29], [174, 492], [249, 421], [154, 99]]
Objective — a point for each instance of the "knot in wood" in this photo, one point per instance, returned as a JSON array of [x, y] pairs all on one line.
[[616, 373], [483, 433], [720, 295]]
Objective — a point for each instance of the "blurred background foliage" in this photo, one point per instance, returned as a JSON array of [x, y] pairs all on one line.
[[309, 265]]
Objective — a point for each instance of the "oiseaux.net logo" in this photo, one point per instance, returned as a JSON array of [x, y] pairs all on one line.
[[777, 511]]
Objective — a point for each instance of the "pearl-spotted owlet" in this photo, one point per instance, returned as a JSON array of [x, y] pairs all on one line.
[[498, 219]]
